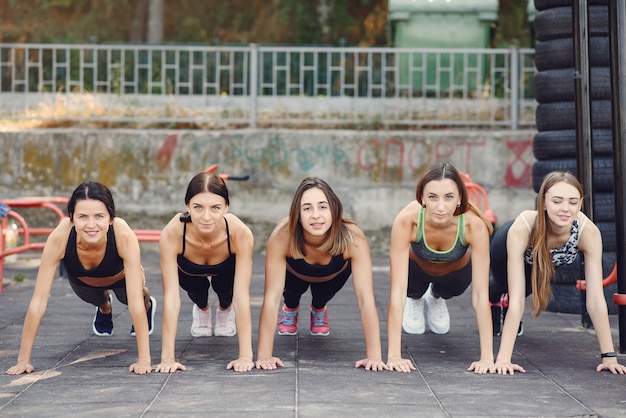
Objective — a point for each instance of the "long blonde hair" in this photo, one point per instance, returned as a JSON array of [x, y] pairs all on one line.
[[542, 267]]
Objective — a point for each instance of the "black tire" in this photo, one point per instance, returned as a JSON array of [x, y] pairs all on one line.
[[559, 53], [563, 144], [604, 207], [559, 85], [567, 299], [558, 22], [602, 172], [609, 236], [559, 116], [549, 4], [571, 273]]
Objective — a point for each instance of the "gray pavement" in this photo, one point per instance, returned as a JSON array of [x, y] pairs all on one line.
[[79, 374]]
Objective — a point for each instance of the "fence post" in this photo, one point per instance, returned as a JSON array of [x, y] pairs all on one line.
[[254, 80], [515, 96]]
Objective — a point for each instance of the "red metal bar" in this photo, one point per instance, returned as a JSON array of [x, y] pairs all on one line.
[[49, 203], [607, 281], [478, 196]]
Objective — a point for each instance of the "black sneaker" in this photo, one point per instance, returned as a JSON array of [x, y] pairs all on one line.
[[151, 312], [496, 320], [520, 329], [103, 323]]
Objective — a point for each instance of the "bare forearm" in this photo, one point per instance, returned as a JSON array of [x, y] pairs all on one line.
[[371, 330], [600, 318], [267, 328], [394, 332], [169, 326], [244, 332]]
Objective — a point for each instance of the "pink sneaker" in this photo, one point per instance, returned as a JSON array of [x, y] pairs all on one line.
[[319, 321], [288, 322]]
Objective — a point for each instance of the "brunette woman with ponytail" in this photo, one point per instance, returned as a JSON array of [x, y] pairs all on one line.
[[525, 254], [439, 246]]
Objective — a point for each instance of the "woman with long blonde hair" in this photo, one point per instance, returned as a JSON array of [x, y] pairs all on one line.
[[525, 254]]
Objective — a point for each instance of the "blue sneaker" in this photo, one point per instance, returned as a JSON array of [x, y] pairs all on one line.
[[103, 323], [151, 312]]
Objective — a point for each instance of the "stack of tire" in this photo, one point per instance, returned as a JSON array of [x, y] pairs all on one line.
[[555, 144]]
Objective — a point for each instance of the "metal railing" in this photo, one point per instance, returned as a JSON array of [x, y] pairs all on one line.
[[267, 86]]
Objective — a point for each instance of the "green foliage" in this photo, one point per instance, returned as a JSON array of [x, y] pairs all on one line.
[[19, 277], [270, 22]]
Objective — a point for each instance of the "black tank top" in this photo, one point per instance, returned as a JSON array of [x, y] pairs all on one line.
[[111, 265], [318, 273], [190, 269]]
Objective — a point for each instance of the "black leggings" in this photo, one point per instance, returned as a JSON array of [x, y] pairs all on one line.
[[498, 283], [446, 286], [97, 295], [321, 292], [198, 289]]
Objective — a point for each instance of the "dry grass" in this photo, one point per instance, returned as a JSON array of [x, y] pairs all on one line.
[[91, 111]]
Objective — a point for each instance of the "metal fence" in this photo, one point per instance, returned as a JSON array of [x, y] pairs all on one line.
[[261, 86]]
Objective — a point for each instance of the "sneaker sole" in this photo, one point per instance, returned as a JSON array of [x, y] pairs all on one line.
[[287, 333], [437, 331], [197, 335], [222, 334], [421, 332], [322, 334]]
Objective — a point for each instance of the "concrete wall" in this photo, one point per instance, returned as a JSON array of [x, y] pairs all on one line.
[[373, 172]]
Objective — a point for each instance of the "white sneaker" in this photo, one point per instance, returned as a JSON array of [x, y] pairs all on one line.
[[201, 325], [413, 317], [438, 316], [225, 323]]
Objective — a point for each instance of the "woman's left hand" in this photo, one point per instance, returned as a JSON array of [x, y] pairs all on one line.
[[241, 365], [481, 367], [371, 363], [141, 367], [611, 365]]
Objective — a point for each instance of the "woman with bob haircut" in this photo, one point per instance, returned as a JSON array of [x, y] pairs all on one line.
[[203, 247], [100, 254], [527, 251], [439, 246], [317, 247]]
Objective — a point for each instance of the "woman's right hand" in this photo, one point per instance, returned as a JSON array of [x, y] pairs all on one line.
[[21, 367], [400, 364], [269, 363]]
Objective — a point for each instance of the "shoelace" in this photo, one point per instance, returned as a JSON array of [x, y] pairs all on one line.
[[412, 305], [204, 319], [437, 310], [318, 318], [289, 317], [221, 318]]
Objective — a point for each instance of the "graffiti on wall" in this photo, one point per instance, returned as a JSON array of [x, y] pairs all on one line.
[[519, 164], [395, 155], [392, 158]]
